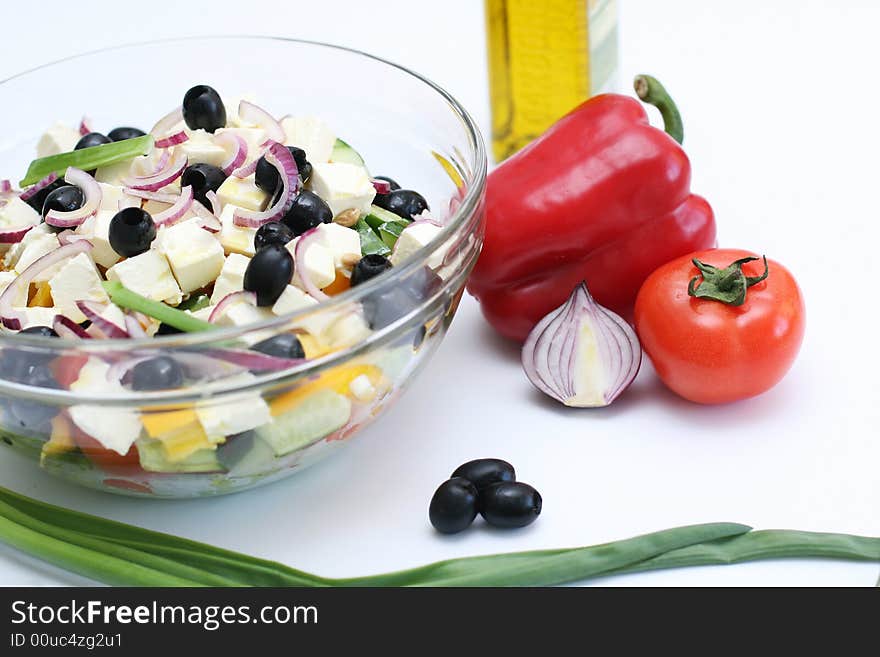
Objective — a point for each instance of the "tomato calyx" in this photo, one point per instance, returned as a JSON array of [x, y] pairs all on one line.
[[727, 285]]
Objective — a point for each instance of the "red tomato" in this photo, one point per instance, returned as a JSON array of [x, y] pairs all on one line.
[[103, 457], [711, 352]]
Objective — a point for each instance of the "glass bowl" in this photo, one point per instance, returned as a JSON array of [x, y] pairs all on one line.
[[236, 425]]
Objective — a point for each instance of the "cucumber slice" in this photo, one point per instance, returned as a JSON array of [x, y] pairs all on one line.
[[378, 216], [153, 459], [342, 152], [389, 233], [316, 416], [195, 302], [246, 455], [370, 242]]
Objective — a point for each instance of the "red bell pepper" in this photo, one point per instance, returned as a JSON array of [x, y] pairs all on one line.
[[601, 197]]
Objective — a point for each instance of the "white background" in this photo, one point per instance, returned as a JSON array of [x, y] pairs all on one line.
[[780, 102]]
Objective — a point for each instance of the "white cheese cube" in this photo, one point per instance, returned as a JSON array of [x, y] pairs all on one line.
[[202, 313], [200, 148], [149, 275], [242, 192], [253, 137], [35, 245], [362, 388], [243, 314], [231, 278], [349, 329], [113, 313], [60, 138], [6, 277], [414, 238], [114, 174], [235, 239], [233, 120], [291, 300], [319, 264], [36, 316], [97, 229], [310, 134], [77, 280], [344, 243], [226, 417], [342, 186], [13, 255], [111, 195], [194, 254], [18, 213]]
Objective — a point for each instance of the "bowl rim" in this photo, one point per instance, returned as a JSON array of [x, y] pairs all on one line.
[[453, 223]]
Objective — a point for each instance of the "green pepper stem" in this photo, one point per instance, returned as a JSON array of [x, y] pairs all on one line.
[[650, 91]]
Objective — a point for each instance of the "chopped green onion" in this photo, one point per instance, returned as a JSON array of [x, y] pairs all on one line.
[[125, 298], [370, 242], [88, 158]]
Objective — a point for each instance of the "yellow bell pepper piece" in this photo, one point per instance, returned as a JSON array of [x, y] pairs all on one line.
[[336, 379]]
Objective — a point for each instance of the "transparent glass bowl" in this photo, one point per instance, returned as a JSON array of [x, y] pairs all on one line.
[[402, 124]]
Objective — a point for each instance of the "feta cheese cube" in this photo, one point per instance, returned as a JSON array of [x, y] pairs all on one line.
[[18, 213], [200, 147], [344, 243], [362, 388], [111, 195], [310, 134], [194, 254], [35, 245], [235, 239], [114, 174], [202, 313], [253, 137], [77, 280], [231, 278], [242, 192], [414, 238], [149, 275], [226, 417], [349, 329], [6, 277], [60, 138], [242, 314], [319, 264], [342, 186], [291, 300], [36, 316], [97, 229]]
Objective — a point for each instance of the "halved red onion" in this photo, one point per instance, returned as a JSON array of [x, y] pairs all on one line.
[[9, 316], [242, 296], [207, 220], [162, 131], [5, 187], [238, 150], [582, 354], [175, 212], [160, 197], [299, 264], [381, 186], [280, 158], [211, 195], [13, 235], [92, 200], [258, 116], [38, 186], [85, 126], [133, 326], [254, 360], [92, 310], [169, 173], [67, 328]]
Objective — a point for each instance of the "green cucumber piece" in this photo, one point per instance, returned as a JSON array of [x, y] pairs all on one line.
[[316, 416], [370, 242], [378, 216], [195, 302], [87, 158], [389, 233], [152, 457], [342, 152]]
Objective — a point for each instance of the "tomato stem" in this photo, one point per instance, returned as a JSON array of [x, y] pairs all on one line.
[[728, 285], [650, 91]]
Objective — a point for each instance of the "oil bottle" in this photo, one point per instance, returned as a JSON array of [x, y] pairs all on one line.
[[544, 59]]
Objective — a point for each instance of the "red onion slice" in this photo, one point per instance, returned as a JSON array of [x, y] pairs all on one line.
[[381, 186], [299, 264], [238, 150], [175, 212], [280, 158], [133, 326], [92, 310], [258, 116], [68, 237], [9, 316], [5, 187], [92, 200], [67, 328], [582, 354], [211, 195], [159, 165], [207, 219], [13, 235], [85, 126], [254, 360], [160, 197], [249, 168], [169, 173], [38, 186], [242, 296], [165, 125], [172, 140]]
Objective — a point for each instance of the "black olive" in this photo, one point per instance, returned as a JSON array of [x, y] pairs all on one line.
[[283, 345], [64, 199], [29, 414], [167, 329], [266, 176], [160, 373], [91, 139], [454, 506], [368, 267], [483, 472], [45, 331], [36, 201], [203, 178], [308, 210], [131, 231], [510, 504], [272, 233], [123, 133], [268, 273], [403, 202], [382, 199], [203, 108]]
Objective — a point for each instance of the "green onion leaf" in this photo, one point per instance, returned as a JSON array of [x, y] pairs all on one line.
[[87, 158], [125, 298]]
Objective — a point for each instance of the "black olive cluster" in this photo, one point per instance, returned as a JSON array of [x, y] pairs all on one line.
[[488, 487]]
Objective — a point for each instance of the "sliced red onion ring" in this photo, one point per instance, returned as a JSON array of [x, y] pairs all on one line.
[[258, 116], [133, 326], [38, 186], [92, 310], [5, 187], [211, 195], [280, 158], [92, 201], [254, 360], [165, 125], [381, 186], [13, 235], [175, 212], [160, 197], [242, 296], [9, 316], [170, 172], [207, 219], [158, 166], [69, 236], [582, 354], [85, 126], [299, 263], [238, 149], [67, 328], [249, 168], [172, 140]]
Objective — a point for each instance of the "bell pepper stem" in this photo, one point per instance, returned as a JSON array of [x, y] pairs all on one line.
[[650, 91]]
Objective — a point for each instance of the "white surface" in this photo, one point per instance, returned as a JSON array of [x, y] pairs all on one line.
[[781, 121]]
